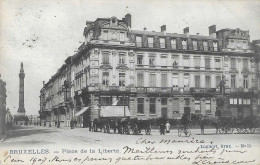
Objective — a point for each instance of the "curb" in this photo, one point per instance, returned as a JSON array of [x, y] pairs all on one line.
[[4, 137]]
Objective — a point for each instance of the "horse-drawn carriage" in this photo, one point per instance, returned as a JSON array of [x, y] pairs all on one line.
[[227, 124], [113, 120]]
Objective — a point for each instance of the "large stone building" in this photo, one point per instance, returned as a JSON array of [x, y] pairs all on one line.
[[153, 74]]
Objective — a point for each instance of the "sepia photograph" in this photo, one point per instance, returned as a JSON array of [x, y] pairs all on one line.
[[174, 82]]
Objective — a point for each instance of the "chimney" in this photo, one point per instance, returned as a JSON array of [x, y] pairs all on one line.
[[212, 31], [128, 20], [145, 28], [43, 83], [163, 28], [186, 31]]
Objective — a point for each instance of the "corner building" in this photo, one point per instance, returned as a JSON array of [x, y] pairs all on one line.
[[154, 73]]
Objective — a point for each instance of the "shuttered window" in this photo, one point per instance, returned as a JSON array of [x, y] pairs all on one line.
[[207, 63], [140, 105], [208, 82], [105, 57], [164, 61], [233, 63], [140, 79], [195, 45], [197, 106], [175, 80], [152, 105], [150, 42], [173, 43], [197, 81], [164, 80], [162, 42], [233, 81], [186, 80], [197, 62], [152, 80]]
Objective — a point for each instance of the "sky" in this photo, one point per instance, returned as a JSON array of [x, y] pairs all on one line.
[[43, 33]]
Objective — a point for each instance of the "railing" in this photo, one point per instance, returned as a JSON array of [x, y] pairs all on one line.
[[161, 90]]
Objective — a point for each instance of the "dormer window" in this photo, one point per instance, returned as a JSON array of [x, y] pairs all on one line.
[[173, 43], [138, 41], [205, 45], [122, 36], [195, 44], [150, 42], [162, 42], [215, 46], [184, 44], [105, 35]]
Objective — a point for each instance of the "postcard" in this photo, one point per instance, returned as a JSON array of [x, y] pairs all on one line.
[[129, 82]]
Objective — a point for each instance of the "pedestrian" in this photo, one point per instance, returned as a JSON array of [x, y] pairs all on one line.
[[162, 128], [202, 124], [168, 127]]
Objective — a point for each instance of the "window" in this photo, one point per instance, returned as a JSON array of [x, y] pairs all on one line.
[[218, 79], [186, 61], [105, 57], [105, 101], [240, 101], [195, 45], [139, 60], [105, 78], [244, 45], [140, 105], [152, 61], [122, 36], [197, 62], [122, 100], [175, 61], [245, 82], [152, 105], [121, 79], [207, 63], [205, 45], [140, 79], [245, 63], [197, 107], [164, 80], [187, 102], [233, 81], [152, 80], [184, 44], [162, 42], [186, 80], [121, 59], [246, 101], [208, 82], [173, 43], [164, 101], [105, 35], [175, 80], [207, 106], [164, 61], [215, 46], [233, 101], [138, 41], [217, 63], [233, 63], [197, 81], [150, 42]]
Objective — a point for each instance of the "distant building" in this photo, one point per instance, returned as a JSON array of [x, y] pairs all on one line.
[[153, 74], [2, 106]]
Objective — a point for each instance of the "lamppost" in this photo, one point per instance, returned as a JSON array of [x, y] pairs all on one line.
[[124, 104]]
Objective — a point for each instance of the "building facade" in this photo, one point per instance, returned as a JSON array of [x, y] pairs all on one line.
[[153, 74]]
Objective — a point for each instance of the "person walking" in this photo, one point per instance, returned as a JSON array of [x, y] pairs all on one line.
[[168, 127], [202, 124]]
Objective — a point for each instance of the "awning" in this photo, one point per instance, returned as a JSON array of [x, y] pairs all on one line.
[[81, 111], [114, 111]]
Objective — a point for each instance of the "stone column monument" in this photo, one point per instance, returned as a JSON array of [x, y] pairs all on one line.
[[21, 109]]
